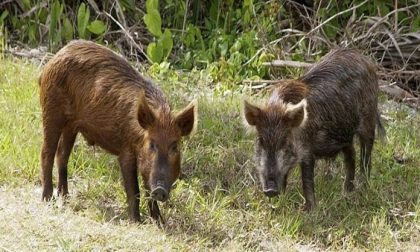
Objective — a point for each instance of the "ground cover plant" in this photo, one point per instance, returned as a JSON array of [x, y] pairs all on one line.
[[217, 204]]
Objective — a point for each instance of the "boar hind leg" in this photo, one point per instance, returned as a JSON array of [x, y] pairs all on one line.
[[53, 126], [65, 145], [366, 137], [129, 172], [366, 145], [349, 162], [307, 170]]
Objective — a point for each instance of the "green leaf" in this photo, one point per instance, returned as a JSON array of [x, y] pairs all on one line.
[[32, 33], [82, 20], [153, 22], [127, 4], [166, 42], [67, 29], [3, 16], [152, 5], [415, 25], [382, 7], [155, 52], [43, 15], [55, 13], [26, 4], [97, 27]]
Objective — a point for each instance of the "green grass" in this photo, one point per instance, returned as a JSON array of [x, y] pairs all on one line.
[[217, 204]]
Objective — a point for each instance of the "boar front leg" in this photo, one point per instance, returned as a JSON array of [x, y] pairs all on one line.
[[129, 171], [154, 208], [307, 171]]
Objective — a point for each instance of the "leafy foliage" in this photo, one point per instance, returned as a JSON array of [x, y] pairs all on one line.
[[231, 38]]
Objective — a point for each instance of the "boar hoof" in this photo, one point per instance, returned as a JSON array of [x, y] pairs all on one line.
[[308, 207], [135, 219], [349, 186], [62, 192], [47, 194]]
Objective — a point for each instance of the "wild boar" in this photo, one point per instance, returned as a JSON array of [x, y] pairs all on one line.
[[88, 88], [314, 117]]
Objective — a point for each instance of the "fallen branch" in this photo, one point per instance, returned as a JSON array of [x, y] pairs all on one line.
[[287, 63], [392, 90], [30, 54]]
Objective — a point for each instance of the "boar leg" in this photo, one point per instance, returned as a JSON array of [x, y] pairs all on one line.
[[366, 137], [366, 144], [129, 172], [349, 162], [52, 131], [307, 170], [65, 145], [154, 208]]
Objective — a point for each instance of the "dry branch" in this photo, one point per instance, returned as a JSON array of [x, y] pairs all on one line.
[[287, 63]]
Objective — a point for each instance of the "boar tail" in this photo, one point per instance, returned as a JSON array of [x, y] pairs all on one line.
[[380, 128]]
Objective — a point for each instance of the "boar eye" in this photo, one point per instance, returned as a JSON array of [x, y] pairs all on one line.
[[174, 147], [152, 146]]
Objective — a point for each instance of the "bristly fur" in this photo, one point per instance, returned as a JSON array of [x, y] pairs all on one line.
[[87, 88], [338, 96]]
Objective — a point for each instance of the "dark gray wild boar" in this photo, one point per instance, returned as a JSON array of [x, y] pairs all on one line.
[[87, 88], [317, 116]]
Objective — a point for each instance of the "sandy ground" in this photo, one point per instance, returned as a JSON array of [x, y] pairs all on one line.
[[27, 224]]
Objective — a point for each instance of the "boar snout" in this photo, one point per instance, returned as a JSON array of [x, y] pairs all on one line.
[[159, 193], [271, 189]]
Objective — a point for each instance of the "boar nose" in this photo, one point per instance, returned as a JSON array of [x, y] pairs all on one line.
[[160, 194], [271, 192], [271, 189]]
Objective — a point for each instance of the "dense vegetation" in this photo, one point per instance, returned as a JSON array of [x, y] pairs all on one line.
[[204, 50], [232, 38]]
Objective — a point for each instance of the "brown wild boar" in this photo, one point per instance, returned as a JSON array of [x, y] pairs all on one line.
[[87, 88], [317, 116]]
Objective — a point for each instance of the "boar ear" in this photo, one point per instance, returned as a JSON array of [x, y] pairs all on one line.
[[296, 114], [251, 113], [187, 119], [145, 114]]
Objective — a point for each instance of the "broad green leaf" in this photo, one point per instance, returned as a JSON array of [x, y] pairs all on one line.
[[166, 42], [155, 52], [153, 22], [223, 47], [97, 27], [82, 20], [152, 5], [67, 29]]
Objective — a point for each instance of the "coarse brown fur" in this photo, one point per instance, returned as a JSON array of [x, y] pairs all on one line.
[[87, 88], [317, 116]]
